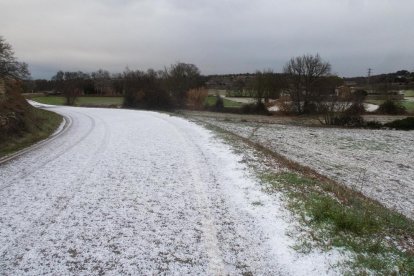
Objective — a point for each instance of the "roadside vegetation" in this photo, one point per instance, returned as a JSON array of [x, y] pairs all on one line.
[[37, 125], [81, 101], [380, 240], [21, 124], [377, 240], [228, 103], [409, 93]]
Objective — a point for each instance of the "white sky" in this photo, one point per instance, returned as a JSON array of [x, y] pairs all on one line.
[[219, 36]]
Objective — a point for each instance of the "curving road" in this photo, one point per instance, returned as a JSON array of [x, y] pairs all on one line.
[[132, 192]]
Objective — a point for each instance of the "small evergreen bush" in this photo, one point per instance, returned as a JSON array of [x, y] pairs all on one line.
[[391, 107], [403, 124]]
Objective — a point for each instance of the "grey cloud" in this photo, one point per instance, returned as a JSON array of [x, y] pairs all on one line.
[[220, 36]]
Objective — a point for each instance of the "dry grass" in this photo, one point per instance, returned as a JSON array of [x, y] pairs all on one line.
[[196, 98]]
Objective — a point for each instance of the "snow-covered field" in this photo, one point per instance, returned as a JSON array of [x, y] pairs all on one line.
[[127, 192], [243, 100], [379, 163]]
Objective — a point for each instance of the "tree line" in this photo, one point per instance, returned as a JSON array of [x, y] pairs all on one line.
[[307, 80]]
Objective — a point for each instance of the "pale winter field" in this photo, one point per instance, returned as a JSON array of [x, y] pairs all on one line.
[[378, 163]]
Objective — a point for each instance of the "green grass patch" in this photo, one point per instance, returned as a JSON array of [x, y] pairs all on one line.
[[39, 123], [380, 239], [376, 102], [409, 93], [211, 101], [408, 105], [81, 101], [403, 124]]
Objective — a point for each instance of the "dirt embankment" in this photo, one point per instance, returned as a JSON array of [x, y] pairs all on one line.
[[21, 124], [14, 109]]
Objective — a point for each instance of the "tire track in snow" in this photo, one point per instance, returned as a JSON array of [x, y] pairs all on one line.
[[216, 265], [241, 245], [53, 157], [23, 244]]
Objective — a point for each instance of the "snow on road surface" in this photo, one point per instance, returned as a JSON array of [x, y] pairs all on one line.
[[132, 192]]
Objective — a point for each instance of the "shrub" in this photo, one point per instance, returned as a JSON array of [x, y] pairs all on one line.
[[391, 107], [256, 108], [373, 125], [355, 109], [285, 104], [348, 120], [144, 90], [219, 106], [196, 97], [404, 124]]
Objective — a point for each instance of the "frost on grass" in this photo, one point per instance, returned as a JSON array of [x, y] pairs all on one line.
[[378, 163]]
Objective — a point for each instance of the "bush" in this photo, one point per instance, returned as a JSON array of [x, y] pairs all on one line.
[[355, 109], [196, 98], [256, 108], [219, 106], [144, 90], [404, 124], [348, 120], [391, 107], [373, 125]]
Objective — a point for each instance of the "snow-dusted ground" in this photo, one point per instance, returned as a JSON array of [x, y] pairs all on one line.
[[141, 193], [379, 163], [243, 100], [371, 107], [368, 107]]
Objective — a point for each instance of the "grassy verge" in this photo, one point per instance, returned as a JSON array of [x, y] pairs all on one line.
[[381, 240], [409, 93], [40, 124], [408, 105], [376, 102], [81, 101], [331, 216], [211, 101]]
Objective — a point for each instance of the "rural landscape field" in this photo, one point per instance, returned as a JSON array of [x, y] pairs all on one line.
[[206, 138]]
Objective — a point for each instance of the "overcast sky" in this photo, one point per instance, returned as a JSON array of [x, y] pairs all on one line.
[[219, 36]]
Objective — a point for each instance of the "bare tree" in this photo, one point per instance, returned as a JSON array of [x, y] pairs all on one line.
[[102, 82], [9, 65], [70, 84], [265, 85], [303, 72], [180, 78], [144, 90]]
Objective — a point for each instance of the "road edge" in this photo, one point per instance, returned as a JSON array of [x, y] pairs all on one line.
[[63, 127]]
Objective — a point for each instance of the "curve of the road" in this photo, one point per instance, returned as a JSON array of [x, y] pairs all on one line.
[[125, 192]]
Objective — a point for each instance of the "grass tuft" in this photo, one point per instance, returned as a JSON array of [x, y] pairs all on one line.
[[376, 235]]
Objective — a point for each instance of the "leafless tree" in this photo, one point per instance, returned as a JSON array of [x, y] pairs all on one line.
[[70, 84], [303, 72], [102, 82], [266, 84], [9, 65], [180, 78], [144, 90]]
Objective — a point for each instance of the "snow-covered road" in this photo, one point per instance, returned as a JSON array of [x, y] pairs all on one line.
[[133, 192]]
